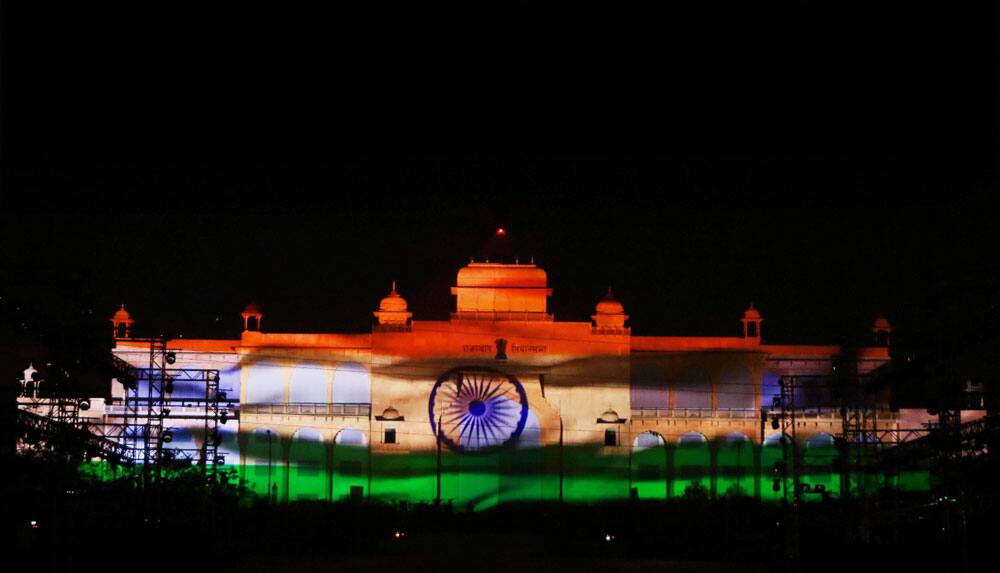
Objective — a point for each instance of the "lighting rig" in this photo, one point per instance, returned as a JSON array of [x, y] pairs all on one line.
[[783, 419], [149, 407], [54, 423]]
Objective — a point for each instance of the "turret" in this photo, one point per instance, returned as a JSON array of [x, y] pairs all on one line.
[[751, 323], [251, 318], [122, 322]]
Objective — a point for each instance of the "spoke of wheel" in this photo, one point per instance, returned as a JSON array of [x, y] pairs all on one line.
[[496, 389]]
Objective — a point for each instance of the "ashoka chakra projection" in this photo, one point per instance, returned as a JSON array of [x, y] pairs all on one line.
[[478, 408]]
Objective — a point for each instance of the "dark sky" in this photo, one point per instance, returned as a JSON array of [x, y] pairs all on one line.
[[826, 161]]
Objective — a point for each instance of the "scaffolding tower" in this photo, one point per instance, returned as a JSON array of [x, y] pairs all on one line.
[[149, 408]]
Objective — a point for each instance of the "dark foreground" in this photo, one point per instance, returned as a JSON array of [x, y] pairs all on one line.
[[189, 525]]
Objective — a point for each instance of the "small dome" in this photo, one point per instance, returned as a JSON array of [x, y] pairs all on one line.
[[393, 302], [751, 313], [121, 314], [610, 416], [610, 305], [390, 413], [251, 309], [882, 324]]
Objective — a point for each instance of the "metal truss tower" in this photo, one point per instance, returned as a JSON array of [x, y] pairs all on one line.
[[149, 408]]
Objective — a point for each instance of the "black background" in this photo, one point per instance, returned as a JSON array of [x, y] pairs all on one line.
[[825, 161]]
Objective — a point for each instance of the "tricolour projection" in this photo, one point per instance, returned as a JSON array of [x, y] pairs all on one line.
[[502, 402], [473, 409]]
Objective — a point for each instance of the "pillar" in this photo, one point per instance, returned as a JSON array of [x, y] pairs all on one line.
[[671, 450], [757, 388], [286, 382], [329, 468], [758, 451], [244, 377], [286, 456], [713, 467]]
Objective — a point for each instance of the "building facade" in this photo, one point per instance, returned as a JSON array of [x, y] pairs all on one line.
[[502, 402]]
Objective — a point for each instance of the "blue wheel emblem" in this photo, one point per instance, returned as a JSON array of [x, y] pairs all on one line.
[[478, 408]]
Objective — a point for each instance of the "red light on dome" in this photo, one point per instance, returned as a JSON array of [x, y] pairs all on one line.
[[501, 231]]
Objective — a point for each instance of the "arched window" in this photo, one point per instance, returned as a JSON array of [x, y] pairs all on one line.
[[265, 384], [351, 384], [649, 387], [265, 465], [647, 440], [734, 465], [692, 390], [351, 437], [308, 384], [735, 389], [692, 461], [307, 457]]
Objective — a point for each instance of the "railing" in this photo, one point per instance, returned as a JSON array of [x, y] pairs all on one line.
[[695, 413], [610, 330], [360, 410], [501, 315], [746, 413]]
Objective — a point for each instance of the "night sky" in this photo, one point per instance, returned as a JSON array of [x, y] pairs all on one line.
[[825, 161]]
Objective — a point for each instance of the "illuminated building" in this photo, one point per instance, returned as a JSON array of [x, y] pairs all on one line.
[[502, 402]]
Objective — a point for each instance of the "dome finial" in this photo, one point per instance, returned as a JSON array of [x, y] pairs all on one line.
[[392, 309]]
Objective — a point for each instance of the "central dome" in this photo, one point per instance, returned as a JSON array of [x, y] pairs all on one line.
[[501, 291]]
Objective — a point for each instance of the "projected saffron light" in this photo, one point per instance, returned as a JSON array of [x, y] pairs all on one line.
[[478, 408]]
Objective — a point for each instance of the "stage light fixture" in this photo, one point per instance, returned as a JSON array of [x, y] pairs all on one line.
[[167, 437], [84, 404], [170, 357]]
